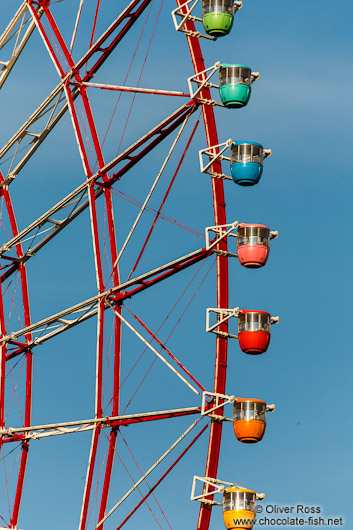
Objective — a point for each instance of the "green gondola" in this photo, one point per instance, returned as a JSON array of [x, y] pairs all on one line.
[[217, 16]]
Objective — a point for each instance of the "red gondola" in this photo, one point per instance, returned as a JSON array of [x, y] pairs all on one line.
[[254, 331]]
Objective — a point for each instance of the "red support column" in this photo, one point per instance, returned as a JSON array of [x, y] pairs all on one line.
[[28, 354], [222, 275]]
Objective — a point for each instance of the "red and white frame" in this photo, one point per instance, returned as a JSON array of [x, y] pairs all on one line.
[[19, 336]]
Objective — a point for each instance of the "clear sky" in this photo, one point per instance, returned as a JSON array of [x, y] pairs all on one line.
[[301, 108]]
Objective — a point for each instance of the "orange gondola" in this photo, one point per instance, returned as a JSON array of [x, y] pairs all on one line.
[[249, 419]]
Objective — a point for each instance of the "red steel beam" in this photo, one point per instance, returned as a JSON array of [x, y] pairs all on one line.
[[222, 274], [142, 419], [29, 360], [155, 136], [126, 19]]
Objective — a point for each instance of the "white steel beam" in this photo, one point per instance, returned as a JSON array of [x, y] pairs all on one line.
[[36, 432], [137, 90], [159, 355], [19, 29]]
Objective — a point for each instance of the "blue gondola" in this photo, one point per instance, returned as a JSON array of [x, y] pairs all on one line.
[[246, 163]]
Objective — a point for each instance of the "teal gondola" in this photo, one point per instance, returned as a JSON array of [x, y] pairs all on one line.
[[235, 85]]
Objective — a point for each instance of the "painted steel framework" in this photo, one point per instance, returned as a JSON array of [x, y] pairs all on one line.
[[74, 84]]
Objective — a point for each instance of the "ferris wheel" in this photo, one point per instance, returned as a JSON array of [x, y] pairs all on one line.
[[133, 397]]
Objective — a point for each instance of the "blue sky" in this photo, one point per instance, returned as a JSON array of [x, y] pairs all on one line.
[[301, 108]]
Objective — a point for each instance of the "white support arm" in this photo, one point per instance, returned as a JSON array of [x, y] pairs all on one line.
[[221, 233], [223, 316], [218, 486], [185, 16], [203, 82], [226, 400], [213, 155]]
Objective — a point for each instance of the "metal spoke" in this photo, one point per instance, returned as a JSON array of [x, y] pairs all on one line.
[[137, 90], [146, 343], [35, 432], [87, 309]]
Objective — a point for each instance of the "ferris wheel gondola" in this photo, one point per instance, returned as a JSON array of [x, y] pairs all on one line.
[[239, 508], [253, 244], [235, 82], [218, 16], [246, 162], [249, 419]]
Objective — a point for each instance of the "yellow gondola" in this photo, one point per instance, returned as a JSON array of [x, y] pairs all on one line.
[[239, 508]]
